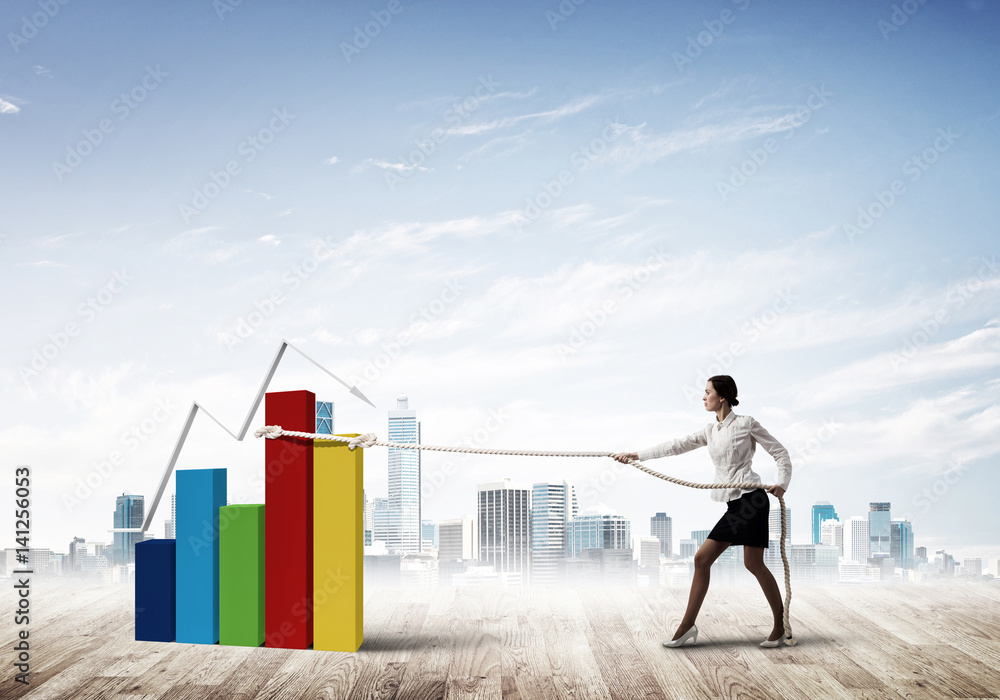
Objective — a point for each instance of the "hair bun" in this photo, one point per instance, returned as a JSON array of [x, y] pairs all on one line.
[[734, 402]]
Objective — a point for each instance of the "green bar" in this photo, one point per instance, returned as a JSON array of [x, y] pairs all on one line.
[[241, 575]]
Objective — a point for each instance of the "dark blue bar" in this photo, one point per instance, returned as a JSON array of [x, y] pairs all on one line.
[[200, 494], [155, 590]]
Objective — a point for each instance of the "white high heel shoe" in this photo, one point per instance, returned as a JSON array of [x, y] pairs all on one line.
[[770, 644], [691, 634]]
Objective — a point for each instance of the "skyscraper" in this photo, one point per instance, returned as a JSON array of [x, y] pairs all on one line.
[[856, 542], [879, 533], [429, 532], [129, 512], [821, 511], [901, 543], [459, 539], [380, 520], [599, 531], [774, 524], [324, 417], [552, 506], [77, 550], [833, 535], [404, 480], [662, 528], [504, 526], [170, 526]]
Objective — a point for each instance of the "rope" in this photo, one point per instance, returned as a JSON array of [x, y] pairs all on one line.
[[272, 432]]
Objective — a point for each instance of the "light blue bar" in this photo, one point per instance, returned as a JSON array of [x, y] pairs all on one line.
[[200, 494]]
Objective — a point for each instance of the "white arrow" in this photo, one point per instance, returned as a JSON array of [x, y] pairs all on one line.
[[195, 406]]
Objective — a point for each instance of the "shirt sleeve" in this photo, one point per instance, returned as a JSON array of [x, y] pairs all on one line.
[[776, 450], [674, 447]]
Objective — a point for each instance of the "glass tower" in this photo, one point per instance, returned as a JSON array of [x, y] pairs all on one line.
[[823, 510], [901, 543], [879, 534], [552, 506], [404, 480], [129, 512]]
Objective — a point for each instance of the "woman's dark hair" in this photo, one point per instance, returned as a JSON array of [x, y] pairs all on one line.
[[726, 388]]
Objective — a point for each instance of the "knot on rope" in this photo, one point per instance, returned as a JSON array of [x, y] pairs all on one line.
[[366, 440], [269, 431]]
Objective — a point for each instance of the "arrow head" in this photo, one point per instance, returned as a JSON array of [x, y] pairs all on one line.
[[357, 392]]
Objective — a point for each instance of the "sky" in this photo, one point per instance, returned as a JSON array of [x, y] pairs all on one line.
[[545, 223]]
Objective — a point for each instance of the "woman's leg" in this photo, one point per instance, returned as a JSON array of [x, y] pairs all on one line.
[[703, 560], [753, 557]]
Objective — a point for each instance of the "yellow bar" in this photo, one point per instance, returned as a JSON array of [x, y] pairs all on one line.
[[338, 545]]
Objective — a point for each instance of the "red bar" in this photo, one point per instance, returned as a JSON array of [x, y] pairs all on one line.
[[288, 528]]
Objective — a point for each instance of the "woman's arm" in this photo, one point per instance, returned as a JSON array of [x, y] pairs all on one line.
[[776, 450], [674, 447]]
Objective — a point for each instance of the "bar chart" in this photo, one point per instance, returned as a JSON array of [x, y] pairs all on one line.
[[287, 573]]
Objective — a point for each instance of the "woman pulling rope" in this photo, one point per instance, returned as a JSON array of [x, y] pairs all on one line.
[[731, 441]]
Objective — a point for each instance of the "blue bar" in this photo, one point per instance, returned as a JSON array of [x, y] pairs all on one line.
[[155, 602], [200, 494]]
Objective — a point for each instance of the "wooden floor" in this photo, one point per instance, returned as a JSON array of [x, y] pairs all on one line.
[[908, 641]]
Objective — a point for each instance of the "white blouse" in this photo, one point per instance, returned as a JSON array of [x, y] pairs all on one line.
[[731, 444]]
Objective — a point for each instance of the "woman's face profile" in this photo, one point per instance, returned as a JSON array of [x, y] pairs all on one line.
[[712, 401]]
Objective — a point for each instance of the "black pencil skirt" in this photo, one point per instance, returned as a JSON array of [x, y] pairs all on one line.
[[745, 521]]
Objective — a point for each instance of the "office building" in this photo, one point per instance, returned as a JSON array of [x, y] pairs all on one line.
[[404, 480], [662, 528], [552, 507], [901, 543], [833, 535], [821, 511], [688, 549], [503, 528], [324, 417], [458, 540], [429, 533], [380, 520], [856, 541], [774, 524], [598, 531], [129, 512], [879, 530]]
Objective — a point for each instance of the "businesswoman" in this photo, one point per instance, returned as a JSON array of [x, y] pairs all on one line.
[[731, 440]]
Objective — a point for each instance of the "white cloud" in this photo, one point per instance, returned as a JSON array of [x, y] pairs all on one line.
[[269, 239], [332, 160], [8, 107]]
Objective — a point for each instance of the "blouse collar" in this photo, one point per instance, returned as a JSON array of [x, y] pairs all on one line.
[[719, 425]]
